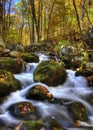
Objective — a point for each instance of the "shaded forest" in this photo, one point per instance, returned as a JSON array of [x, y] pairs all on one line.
[[32, 21]]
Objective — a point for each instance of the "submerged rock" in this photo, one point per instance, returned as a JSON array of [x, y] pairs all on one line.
[[14, 65], [39, 92], [8, 84], [50, 73], [23, 110], [78, 111]]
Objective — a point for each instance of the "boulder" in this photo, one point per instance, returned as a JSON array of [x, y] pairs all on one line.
[[14, 65], [30, 57], [23, 110], [79, 59], [8, 84], [46, 45], [50, 72], [72, 57], [15, 54], [78, 111], [86, 70], [39, 92], [67, 49], [31, 125]]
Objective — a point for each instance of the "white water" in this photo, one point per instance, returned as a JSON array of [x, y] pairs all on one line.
[[74, 89]]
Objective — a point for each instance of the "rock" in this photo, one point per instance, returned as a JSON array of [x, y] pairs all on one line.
[[79, 59], [78, 111], [20, 48], [89, 38], [31, 125], [23, 110], [14, 65], [89, 98], [67, 49], [39, 92], [55, 125], [50, 73], [30, 57], [8, 84], [15, 54], [72, 57], [86, 71], [42, 46], [67, 52]]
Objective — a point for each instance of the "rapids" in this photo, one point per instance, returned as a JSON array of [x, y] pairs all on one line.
[[74, 89]]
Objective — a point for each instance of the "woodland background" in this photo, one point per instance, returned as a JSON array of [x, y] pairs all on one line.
[[31, 21]]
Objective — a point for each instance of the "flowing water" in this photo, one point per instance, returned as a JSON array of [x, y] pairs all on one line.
[[74, 89]]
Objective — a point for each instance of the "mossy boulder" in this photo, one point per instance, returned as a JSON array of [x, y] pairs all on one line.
[[14, 65], [23, 110], [39, 92], [78, 111], [8, 83], [50, 73], [30, 57], [32, 125]]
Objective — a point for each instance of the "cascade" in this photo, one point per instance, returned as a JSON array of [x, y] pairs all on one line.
[[74, 89]]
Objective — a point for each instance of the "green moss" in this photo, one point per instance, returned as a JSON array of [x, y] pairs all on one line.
[[13, 65], [30, 57], [78, 111], [50, 73], [8, 83], [33, 125]]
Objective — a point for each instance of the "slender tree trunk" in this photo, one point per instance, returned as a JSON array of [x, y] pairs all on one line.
[[49, 19], [77, 16]]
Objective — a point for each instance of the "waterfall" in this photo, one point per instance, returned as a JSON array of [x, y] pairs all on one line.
[[74, 89]]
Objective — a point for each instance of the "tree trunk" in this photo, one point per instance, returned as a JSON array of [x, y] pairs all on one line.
[[77, 16]]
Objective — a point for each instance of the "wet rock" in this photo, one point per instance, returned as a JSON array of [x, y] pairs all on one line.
[[39, 92], [14, 65], [31, 125], [52, 123], [8, 84], [30, 57], [89, 98], [23, 110], [86, 71], [50, 73], [78, 111]]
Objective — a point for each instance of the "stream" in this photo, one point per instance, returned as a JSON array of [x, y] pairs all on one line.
[[74, 89]]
